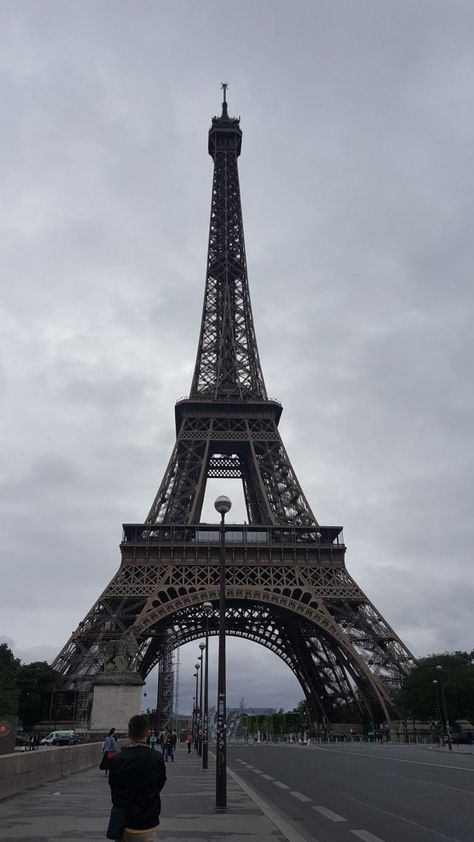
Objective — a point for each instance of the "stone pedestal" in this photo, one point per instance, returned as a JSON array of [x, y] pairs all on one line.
[[117, 697]]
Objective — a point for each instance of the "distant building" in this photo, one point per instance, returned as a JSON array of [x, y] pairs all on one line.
[[259, 711]]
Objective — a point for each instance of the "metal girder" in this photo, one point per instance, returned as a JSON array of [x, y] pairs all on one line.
[[165, 691], [251, 450]]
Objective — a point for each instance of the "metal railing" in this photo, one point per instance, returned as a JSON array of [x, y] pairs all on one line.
[[226, 399], [208, 534]]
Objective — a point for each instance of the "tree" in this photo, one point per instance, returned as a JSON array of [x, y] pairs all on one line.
[[9, 691], [302, 708], [35, 682], [422, 699]]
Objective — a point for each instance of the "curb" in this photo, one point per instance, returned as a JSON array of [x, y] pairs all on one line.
[[284, 826]]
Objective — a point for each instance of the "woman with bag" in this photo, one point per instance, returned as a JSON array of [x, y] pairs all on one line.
[[109, 750]]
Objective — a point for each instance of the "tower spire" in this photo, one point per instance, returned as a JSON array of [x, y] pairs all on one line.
[[227, 363], [224, 86]]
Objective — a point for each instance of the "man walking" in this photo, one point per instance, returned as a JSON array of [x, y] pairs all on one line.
[[136, 778], [168, 746]]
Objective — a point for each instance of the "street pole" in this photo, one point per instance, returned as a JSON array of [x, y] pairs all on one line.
[[437, 708], [74, 708], [445, 710], [196, 743], [51, 704], [202, 646], [222, 505], [207, 607]]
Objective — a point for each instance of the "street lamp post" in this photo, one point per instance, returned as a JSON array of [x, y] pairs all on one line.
[[436, 705], [196, 675], [202, 646], [439, 669], [207, 608], [74, 706], [222, 505]]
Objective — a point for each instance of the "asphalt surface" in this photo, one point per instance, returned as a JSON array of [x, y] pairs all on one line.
[[375, 793]]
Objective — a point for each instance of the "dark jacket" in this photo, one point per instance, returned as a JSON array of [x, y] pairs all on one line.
[[137, 776]]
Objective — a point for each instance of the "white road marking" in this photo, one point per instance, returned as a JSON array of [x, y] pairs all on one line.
[[399, 818], [288, 829], [334, 817], [282, 786], [398, 759], [366, 836], [268, 777], [300, 796], [257, 771]]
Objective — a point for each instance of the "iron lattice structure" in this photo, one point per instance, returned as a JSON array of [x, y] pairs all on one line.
[[287, 584], [166, 683]]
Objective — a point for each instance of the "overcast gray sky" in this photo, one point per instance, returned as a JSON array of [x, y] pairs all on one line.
[[357, 188]]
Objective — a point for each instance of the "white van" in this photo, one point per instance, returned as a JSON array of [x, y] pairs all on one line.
[[60, 738]]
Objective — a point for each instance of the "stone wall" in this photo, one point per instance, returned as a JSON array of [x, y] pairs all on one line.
[[23, 770]]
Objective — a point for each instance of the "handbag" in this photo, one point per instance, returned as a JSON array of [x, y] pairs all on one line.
[[111, 754], [116, 824]]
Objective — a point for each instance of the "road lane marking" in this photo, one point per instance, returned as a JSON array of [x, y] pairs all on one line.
[[397, 759], [268, 777], [282, 786], [257, 771], [287, 828], [300, 796], [366, 836], [334, 817], [399, 818]]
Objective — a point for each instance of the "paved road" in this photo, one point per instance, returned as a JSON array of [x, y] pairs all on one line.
[[373, 793]]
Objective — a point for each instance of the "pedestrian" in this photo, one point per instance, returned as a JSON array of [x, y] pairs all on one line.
[[174, 740], [189, 741], [137, 776], [168, 746], [109, 750], [153, 740]]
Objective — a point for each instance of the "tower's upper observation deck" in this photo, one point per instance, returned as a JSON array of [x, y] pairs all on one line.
[[225, 131]]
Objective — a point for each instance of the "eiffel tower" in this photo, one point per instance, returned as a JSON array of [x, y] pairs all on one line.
[[287, 586]]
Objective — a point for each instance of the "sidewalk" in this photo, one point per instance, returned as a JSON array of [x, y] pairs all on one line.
[[76, 809]]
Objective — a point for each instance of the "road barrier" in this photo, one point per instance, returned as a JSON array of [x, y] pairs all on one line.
[[24, 770]]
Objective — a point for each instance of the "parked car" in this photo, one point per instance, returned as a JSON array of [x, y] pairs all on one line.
[[60, 738], [463, 737], [463, 731]]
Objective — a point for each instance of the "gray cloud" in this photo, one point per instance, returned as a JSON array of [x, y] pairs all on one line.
[[356, 177]]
